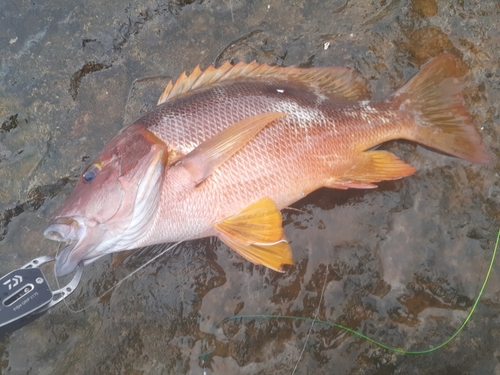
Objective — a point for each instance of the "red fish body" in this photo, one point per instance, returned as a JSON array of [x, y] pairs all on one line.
[[227, 148]]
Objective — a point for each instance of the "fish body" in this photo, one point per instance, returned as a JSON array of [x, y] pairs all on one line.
[[227, 148]]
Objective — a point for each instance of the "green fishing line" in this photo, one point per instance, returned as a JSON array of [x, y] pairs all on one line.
[[397, 350], [203, 356]]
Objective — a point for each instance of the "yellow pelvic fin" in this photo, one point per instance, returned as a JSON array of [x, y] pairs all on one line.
[[337, 83], [256, 234], [258, 223], [372, 166], [273, 256], [209, 155]]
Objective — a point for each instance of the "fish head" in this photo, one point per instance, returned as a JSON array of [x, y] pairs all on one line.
[[113, 201]]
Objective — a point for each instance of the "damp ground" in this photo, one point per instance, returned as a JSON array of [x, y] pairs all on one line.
[[402, 264]]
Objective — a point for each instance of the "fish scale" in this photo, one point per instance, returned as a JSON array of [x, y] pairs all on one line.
[[306, 156], [227, 148]]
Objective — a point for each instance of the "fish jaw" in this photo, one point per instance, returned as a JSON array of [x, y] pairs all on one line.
[[83, 238], [71, 231], [63, 265], [68, 259]]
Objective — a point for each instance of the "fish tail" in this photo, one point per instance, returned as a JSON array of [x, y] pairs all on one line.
[[433, 99]]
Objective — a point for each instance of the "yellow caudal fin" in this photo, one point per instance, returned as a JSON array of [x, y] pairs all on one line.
[[372, 166], [256, 234], [434, 101], [209, 155], [335, 82]]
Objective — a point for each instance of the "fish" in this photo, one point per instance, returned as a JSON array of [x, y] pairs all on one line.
[[227, 148]]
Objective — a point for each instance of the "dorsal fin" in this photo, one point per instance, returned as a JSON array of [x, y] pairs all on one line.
[[337, 83]]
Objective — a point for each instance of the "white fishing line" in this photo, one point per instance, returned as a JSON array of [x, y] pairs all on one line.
[[312, 325], [96, 299]]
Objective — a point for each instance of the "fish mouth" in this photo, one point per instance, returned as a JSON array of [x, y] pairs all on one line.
[[65, 229], [66, 262], [71, 230], [63, 264]]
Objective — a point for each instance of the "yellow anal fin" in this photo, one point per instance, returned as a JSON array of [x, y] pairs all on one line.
[[335, 82], [372, 166], [256, 234]]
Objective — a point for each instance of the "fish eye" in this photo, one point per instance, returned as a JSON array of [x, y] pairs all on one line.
[[90, 173]]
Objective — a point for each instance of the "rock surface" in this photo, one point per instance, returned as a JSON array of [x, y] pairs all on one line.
[[402, 264]]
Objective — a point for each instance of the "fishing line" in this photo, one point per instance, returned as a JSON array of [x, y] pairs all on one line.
[[296, 210], [96, 299], [312, 325], [373, 341]]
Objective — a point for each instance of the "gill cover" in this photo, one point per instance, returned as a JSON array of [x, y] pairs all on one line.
[[113, 199]]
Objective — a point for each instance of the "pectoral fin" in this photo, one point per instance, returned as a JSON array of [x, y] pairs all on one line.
[[372, 166], [209, 155], [256, 234]]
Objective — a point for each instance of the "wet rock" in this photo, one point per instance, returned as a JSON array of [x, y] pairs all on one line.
[[402, 263]]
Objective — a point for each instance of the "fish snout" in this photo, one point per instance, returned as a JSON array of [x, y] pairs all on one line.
[[65, 229]]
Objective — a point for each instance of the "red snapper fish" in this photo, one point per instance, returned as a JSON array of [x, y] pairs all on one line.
[[227, 148]]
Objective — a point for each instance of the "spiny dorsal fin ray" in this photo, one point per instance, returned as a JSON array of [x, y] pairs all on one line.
[[256, 234], [337, 83], [209, 155]]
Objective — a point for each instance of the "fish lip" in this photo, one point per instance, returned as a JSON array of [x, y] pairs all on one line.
[[66, 262], [63, 264], [66, 229]]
